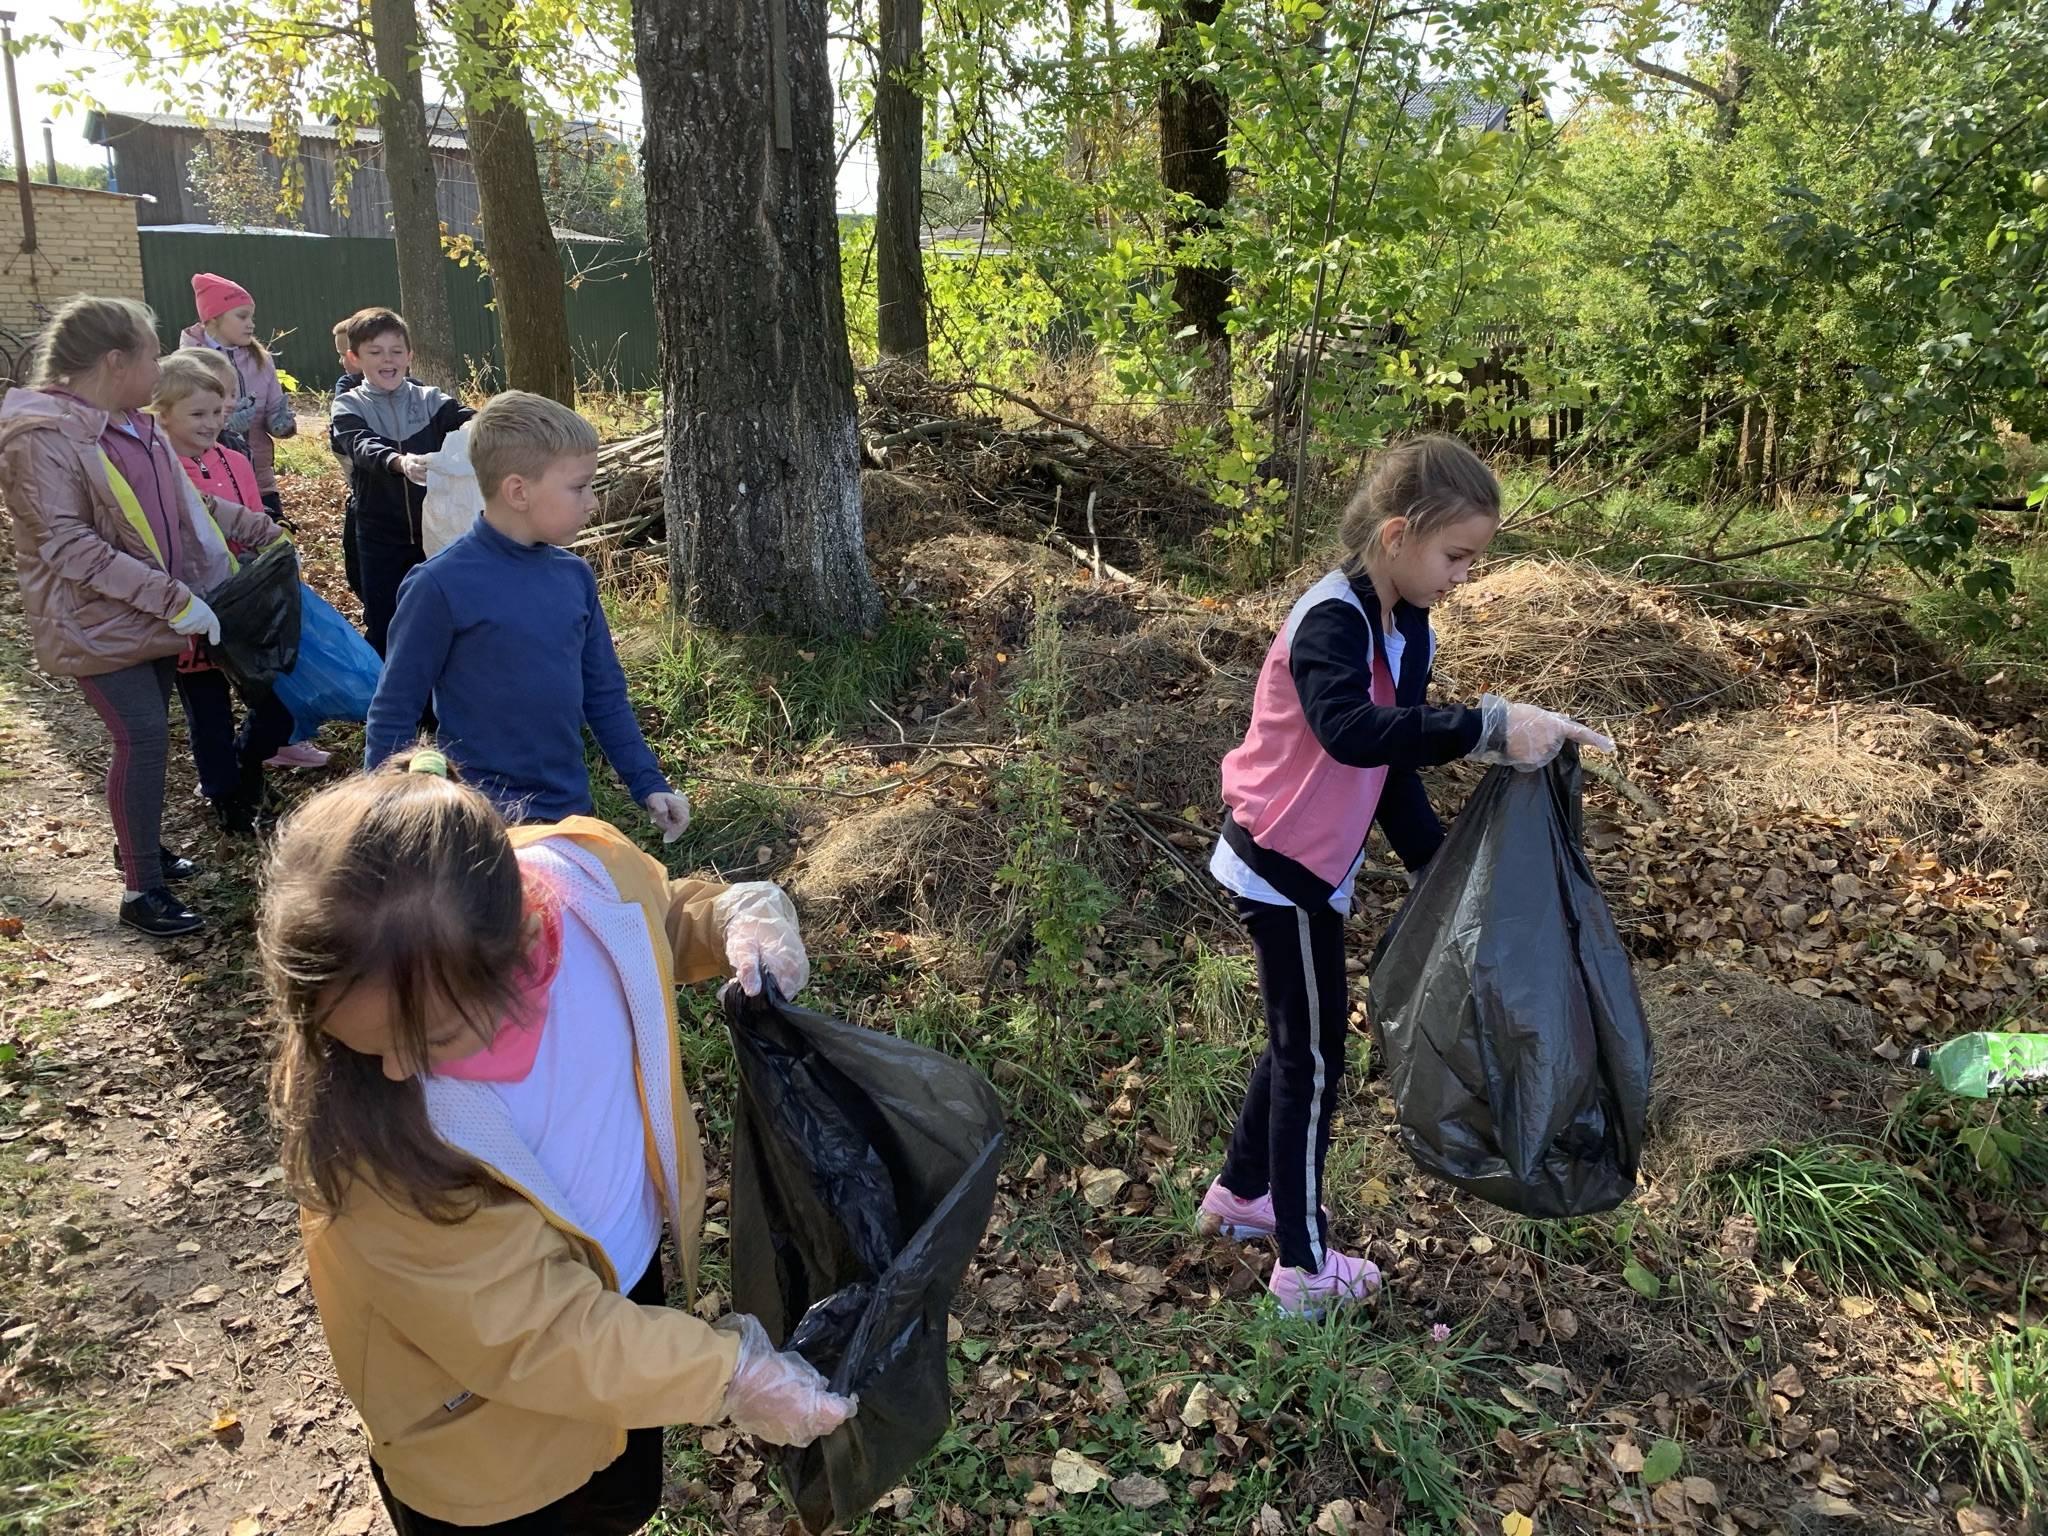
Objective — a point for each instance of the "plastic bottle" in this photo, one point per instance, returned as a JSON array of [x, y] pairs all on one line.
[[1981, 1065]]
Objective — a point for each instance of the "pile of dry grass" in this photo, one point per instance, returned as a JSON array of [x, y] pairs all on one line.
[[1573, 638], [924, 859], [1744, 1063], [970, 567], [1166, 750]]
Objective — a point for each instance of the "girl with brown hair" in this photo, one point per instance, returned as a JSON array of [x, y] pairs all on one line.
[[484, 1121]]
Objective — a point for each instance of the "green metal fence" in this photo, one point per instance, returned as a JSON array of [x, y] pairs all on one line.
[[304, 284]]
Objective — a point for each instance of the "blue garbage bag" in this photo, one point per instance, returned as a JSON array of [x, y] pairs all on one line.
[[336, 673]]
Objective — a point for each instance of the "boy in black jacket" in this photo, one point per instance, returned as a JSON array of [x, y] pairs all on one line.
[[384, 428]]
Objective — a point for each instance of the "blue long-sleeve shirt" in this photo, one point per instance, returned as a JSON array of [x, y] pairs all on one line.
[[510, 643]]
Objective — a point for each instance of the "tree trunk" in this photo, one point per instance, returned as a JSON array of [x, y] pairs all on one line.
[[899, 200], [1194, 123], [415, 210], [519, 238], [762, 484]]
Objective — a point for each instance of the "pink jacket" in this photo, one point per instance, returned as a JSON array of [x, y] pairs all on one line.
[[262, 413], [92, 580], [1335, 742], [227, 474]]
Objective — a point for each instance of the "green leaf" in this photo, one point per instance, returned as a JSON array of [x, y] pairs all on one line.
[[1641, 1280], [1662, 1462]]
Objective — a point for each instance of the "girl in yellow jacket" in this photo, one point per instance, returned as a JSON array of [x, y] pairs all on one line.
[[484, 1121]]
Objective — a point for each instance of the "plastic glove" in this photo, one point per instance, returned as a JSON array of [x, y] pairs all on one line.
[[670, 813], [780, 1397], [413, 466], [1523, 736], [195, 618], [759, 924]]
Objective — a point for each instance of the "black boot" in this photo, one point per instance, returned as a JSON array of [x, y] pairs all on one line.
[[246, 813], [159, 914], [176, 866]]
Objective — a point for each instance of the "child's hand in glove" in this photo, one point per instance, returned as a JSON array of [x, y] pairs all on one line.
[[761, 937], [670, 814], [1523, 736], [779, 1396]]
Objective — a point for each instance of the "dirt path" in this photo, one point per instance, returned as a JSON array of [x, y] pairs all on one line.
[[152, 1278]]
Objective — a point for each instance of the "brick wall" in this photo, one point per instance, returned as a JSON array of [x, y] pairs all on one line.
[[85, 243]]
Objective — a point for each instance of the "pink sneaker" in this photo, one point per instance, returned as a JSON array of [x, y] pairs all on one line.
[[1341, 1279], [300, 754], [1242, 1221]]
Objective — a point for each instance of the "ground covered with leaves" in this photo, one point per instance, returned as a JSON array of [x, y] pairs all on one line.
[[1822, 842]]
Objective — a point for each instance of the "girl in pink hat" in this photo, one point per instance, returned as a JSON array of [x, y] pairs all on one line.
[[227, 324]]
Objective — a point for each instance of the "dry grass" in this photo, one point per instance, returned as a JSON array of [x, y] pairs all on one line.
[[1573, 638], [924, 857], [1744, 1063], [1921, 776]]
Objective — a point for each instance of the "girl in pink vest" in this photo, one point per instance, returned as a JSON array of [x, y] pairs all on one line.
[[1340, 724]]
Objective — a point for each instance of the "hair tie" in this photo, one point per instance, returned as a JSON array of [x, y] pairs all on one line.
[[428, 761]]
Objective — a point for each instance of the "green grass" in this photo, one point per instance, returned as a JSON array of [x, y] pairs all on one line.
[[1989, 1148], [2009, 637], [1988, 1423], [307, 454], [43, 1454], [1846, 1214], [719, 693]]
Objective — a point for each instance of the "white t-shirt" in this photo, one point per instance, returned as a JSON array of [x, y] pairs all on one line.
[[578, 1110], [1240, 878]]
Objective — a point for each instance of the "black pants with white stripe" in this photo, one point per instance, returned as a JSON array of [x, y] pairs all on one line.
[[1282, 1138]]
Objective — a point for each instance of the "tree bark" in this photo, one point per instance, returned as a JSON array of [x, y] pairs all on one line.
[[762, 484], [1194, 124], [899, 201], [415, 210], [519, 238]]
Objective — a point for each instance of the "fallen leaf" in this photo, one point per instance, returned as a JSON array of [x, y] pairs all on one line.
[[1138, 1491], [1857, 1306], [356, 1522], [109, 999], [226, 1424], [1171, 1452], [1199, 1407], [1972, 1521], [1627, 1456], [1662, 1461], [1074, 1473], [1101, 1186], [10, 927], [205, 1296], [1642, 1280], [290, 1281], [1702, 1491], [248, 1525], [1515, 1523]]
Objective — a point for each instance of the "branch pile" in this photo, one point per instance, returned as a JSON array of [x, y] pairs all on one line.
[[1029, 465]]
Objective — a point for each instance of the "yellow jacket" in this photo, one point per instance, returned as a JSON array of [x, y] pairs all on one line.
[[494, 1361]]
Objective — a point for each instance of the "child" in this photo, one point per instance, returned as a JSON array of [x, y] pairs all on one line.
[[259, 412], [1340, 724], [383, 427], [484, 1120], [194, 387], [503, 632], [112, 564], [351, 565]]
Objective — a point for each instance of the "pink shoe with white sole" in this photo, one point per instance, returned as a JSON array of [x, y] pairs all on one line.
[[1342, 1279], [1242, 1221], [300, 754]]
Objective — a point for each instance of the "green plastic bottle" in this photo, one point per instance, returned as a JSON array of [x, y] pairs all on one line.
[[1981, 1065]]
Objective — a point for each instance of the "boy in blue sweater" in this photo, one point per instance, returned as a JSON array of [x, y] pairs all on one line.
[[503, 632]]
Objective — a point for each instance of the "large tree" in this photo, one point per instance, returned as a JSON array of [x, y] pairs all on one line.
[[415, 209], [899, 201], [762, 483], [1194, 125], [519, 238]]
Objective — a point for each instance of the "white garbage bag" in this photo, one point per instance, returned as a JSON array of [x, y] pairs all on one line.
[[453, 498]]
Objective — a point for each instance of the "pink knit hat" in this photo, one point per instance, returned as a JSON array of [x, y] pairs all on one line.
[[215, 296]]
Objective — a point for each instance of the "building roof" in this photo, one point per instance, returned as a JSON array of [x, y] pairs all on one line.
[[104, 127], [1468, 106]]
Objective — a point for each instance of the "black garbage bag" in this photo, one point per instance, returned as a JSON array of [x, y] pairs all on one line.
[[1513, 1038], [864, 1171], [258, 609]]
